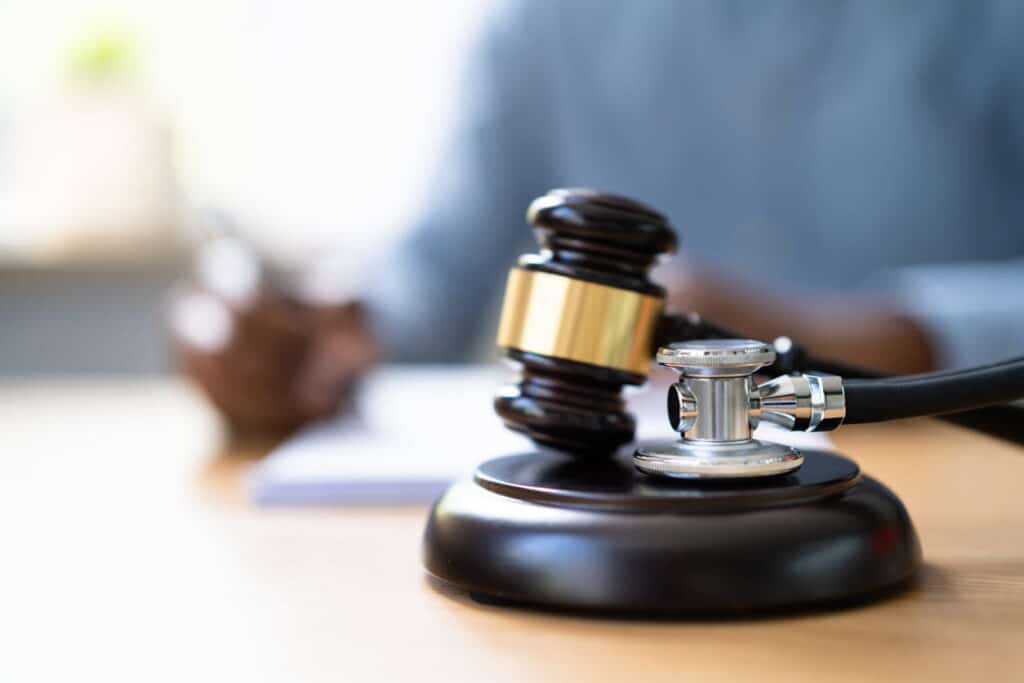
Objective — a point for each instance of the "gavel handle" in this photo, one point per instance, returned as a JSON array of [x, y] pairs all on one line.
[[1004, 421]]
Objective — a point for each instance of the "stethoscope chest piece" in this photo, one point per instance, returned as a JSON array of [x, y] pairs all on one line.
[[715, 406]]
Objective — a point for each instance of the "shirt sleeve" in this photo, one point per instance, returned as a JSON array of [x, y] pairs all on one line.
[[428, 297], [974, 312]]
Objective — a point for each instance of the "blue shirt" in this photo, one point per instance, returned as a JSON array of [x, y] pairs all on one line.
[[810, 146]]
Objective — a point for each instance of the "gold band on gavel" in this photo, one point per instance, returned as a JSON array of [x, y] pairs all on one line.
[[559, 316]]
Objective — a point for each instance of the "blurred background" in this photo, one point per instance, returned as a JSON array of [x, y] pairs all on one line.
[[124, 124], [870, 155]]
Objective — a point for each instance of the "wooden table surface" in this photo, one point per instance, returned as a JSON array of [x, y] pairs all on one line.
[[130, 553]]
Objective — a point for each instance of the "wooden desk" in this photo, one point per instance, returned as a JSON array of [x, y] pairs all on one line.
[[129, 552]]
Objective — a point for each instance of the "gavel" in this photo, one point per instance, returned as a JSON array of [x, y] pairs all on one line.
[[581, 317]]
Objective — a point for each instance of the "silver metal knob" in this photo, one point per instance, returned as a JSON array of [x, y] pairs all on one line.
[[715, 406], [716, 356], [718, 373]]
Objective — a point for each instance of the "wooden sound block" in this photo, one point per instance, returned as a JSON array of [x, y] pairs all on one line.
[[547, 530]]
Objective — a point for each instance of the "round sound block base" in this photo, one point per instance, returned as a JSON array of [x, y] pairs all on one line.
[[545, 530]]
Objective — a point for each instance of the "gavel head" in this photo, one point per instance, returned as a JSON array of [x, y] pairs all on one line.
[[580, 318]]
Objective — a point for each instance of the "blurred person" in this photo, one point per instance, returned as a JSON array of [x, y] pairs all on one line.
[[845, 173]]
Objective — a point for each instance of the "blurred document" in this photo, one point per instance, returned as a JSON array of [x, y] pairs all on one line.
[[416, 430]]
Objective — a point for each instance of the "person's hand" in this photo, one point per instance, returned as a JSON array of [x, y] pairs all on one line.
[[270, 364], [856, 330]]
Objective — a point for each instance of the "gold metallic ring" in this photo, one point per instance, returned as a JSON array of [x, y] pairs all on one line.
[[582, 321]]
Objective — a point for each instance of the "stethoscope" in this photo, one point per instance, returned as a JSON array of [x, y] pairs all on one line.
[[716, 404]]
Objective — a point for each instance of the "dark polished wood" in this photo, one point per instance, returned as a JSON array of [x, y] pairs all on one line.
[[543, 529], [602, 238], [569, 406], [599, 237]]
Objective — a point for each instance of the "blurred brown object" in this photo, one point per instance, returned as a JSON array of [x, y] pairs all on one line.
[[865, 332], [267, 360]]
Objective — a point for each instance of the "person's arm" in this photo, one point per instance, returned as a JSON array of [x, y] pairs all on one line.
[[914, 319], [428, 298], [869, 331]]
